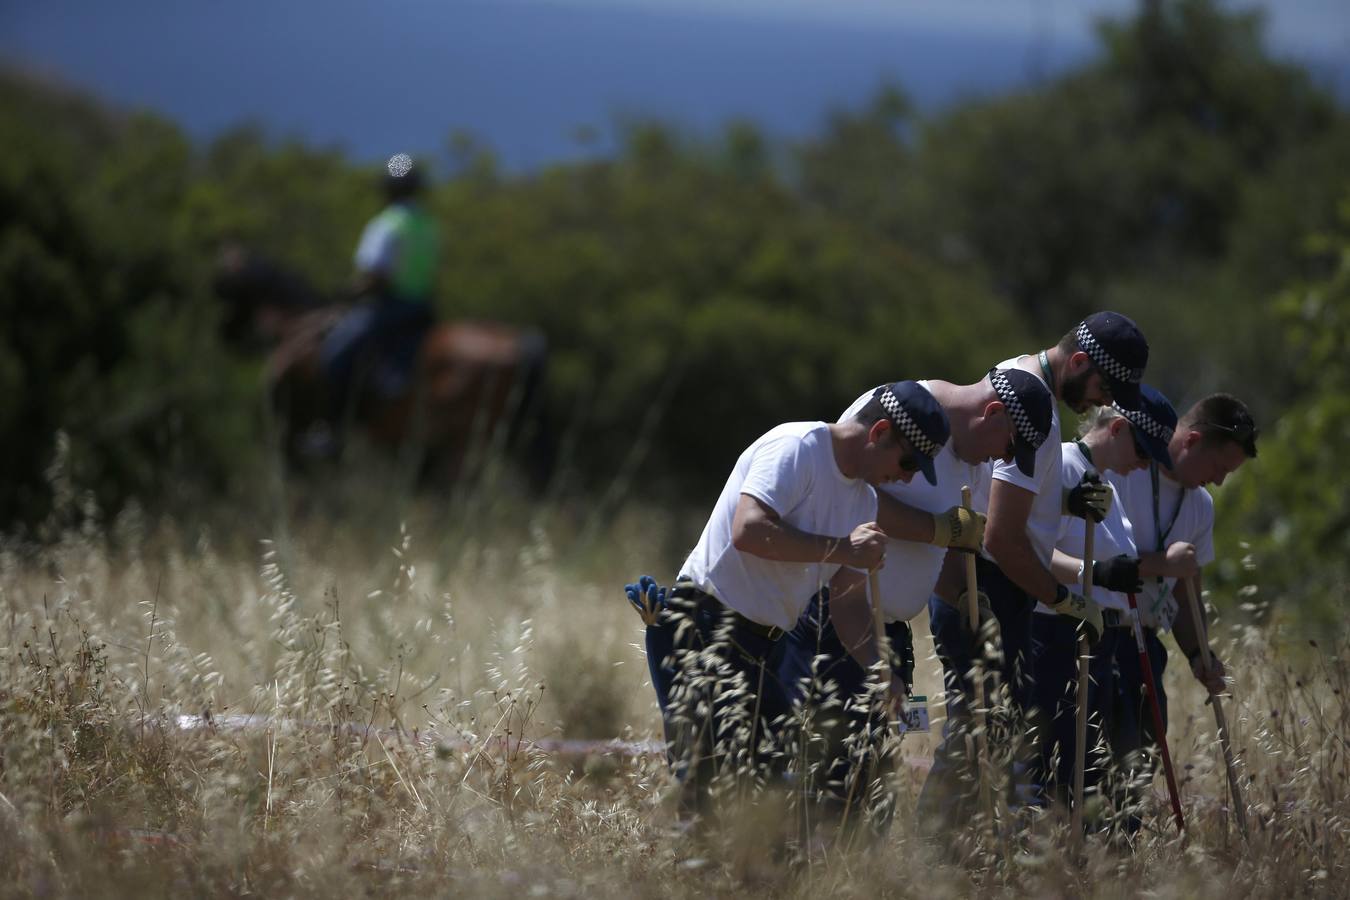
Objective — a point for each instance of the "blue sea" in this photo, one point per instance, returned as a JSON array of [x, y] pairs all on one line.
[[534, 82]]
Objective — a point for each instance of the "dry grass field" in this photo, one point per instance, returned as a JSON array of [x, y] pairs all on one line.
[[396, 678]]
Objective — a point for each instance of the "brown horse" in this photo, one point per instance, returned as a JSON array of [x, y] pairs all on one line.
[[475, 388]]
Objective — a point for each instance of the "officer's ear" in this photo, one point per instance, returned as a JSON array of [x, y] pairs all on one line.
[[879, 430], [1079, 362], [993, 408]]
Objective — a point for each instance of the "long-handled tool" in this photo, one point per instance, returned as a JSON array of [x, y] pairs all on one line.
[[879, 629], [980, 699], [1146, 672], [1239, 805], [882, 691], [1080, 724]]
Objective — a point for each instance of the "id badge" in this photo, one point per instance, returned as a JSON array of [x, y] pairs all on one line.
[[914, 717]]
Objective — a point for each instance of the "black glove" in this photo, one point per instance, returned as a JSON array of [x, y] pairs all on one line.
[[982, 603], [988, 639], [1119, 574], [1090, 498]]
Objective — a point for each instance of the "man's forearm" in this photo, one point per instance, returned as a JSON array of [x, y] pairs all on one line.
[[952, 579], [1152, 565], [1065, 568], [852, 617], [777, 541], [1017, 559], [1007, 543], [903, 522], [1185, 630]]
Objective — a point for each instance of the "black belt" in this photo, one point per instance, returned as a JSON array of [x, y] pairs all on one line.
[[1111, 618], [1114, 618], [705, 602]]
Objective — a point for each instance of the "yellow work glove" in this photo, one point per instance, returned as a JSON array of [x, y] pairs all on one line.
[[959, 527], [1076, 606]]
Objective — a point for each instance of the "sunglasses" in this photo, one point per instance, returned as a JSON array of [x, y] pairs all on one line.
[[1241, 434], [910, 462]]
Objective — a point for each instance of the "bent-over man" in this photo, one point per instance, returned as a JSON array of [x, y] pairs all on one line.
[[1101, 359], [1172, 520], [828, 657], [799, 504]]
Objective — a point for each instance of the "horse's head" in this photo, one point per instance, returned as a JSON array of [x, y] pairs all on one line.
[[262, 298]]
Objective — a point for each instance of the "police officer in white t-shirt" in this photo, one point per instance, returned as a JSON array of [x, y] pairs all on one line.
[[799, 504], [1172, 522], [1115, 443], [828, 655], [1100, 360]]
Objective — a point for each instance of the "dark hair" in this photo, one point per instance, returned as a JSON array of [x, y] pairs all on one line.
[[1068, 346], [873, 412], [1223, 418]]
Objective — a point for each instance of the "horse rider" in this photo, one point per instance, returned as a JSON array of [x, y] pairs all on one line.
[[376, 341]]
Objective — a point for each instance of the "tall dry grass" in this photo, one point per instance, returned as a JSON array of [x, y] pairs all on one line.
[[392, 678]]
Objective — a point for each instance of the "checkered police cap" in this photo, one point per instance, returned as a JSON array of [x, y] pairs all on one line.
[[1141, 419], [1153, 423], [1103, 360], [1026, 429], [902, 420], [1119, 352]]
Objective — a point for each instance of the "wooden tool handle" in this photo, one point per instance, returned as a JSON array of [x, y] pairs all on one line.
[[879, 628], [972, 582], [1225, 740], [1080, 723]]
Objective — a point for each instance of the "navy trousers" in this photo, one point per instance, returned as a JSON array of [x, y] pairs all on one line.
[[1132, 731], [948, 794], [1132, 728], [384, 336], [832, 696], [716, 684], [1055, 688]]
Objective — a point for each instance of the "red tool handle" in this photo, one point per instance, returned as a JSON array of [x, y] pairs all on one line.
[[1146, 667]]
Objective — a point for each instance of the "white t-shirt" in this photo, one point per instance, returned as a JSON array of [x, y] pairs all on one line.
[[1192, 521], [792, 470], [378, 248], [906, 580], [1111, 538], [1043, 519]]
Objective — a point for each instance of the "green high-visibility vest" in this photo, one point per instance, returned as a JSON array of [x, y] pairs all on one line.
[[414, 270]]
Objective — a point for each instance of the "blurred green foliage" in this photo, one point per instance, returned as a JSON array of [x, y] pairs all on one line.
[[1294, 518], [691, 275], [694, 292], [109, 334]]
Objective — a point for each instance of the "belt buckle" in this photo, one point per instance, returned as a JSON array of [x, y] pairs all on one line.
[[768, 632]]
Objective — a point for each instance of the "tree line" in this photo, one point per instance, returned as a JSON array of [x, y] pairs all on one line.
[[696, 290]]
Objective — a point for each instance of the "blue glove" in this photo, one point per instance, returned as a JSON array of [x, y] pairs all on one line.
[[647, 597]]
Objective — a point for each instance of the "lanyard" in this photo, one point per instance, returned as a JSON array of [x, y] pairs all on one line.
[[1157, 515], [1045, 370], [1087, 454]]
